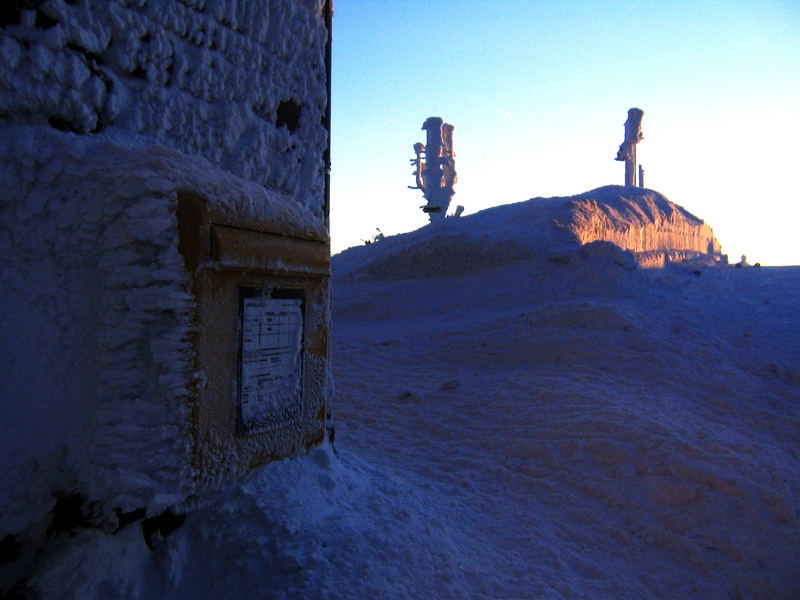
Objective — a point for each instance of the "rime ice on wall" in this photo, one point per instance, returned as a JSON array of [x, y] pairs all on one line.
[[96, 318], [108, 112], [238, 82]]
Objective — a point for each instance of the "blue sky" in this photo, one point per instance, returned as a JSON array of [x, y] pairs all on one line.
[[538, 92]]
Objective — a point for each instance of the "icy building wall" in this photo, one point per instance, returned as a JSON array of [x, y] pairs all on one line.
[[110, 114], [234, 81]]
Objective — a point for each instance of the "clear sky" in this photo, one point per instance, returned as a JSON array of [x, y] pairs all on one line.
[[538, 92]]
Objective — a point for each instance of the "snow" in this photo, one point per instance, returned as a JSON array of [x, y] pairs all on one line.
[[109, 111], [96, 316], [204, 78], [522, 409], [655, 230], [537, 428]]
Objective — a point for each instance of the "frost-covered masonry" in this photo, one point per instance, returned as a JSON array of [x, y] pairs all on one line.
[[109, 113], [238, 82]]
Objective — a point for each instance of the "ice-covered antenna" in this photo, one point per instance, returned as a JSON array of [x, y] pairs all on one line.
[[436, 175], [627, 150]]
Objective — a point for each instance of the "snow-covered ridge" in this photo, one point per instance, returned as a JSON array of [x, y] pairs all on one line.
[[644, 222]]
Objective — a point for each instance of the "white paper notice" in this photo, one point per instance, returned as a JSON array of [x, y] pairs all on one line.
[[271, 360]]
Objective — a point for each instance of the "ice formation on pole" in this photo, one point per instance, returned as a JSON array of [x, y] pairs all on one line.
[[627, 150], [435, 168]]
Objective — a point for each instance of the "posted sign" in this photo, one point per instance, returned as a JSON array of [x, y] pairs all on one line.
[[271, 359]]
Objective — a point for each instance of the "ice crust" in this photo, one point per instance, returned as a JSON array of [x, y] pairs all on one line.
[[107, 112], [96, 315], [643, 222], [205, 78]]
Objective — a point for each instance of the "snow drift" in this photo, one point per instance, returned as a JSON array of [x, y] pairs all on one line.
[[644, 222], [604, 430]]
